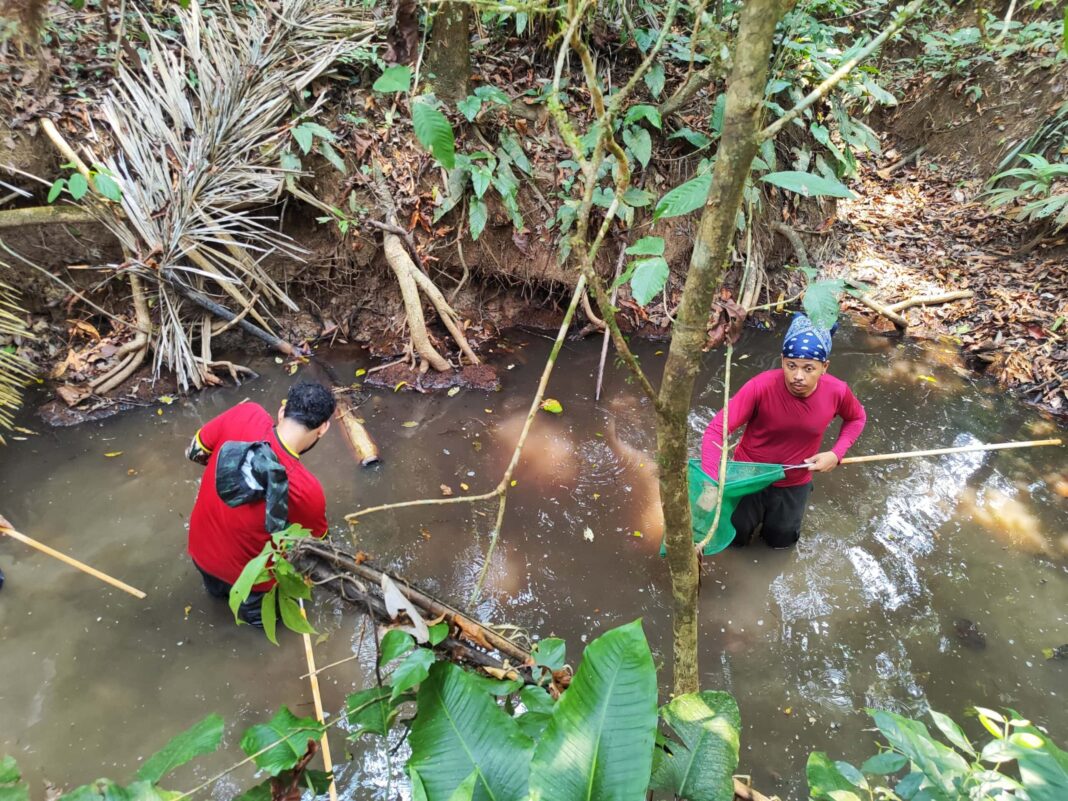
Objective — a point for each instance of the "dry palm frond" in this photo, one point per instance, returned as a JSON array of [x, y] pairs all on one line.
[[198, 132], [15, 371]]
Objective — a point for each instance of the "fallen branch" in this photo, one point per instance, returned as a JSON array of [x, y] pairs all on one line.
[[136, 347], [931, 300], [359, 582], [45, 215], [880, 308]]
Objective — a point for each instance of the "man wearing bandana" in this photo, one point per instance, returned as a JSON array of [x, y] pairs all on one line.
[[255, 485], [786, 413]]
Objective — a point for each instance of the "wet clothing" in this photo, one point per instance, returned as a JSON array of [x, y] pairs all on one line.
[[224, 538], [774, 513], [781, 428]]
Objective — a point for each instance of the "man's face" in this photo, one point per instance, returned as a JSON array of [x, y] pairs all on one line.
[[802, 375]]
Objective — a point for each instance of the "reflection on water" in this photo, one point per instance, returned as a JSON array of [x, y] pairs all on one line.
[[903, 567]]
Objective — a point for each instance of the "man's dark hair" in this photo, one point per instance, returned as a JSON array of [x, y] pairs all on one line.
[[309, 404]]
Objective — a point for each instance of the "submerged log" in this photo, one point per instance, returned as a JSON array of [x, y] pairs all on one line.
[[358, 582]]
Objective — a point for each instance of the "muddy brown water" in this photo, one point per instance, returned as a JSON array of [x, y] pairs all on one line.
[[897, 560]]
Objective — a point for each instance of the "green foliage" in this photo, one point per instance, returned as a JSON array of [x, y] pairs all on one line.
[[285, 596], [459, 730], [201, 738], [1033, 197], [310, 134], [699, 765], [1020, 762], [806, 184], [76, 185], [371, 711], [395, 643], [277, 745], [434, 133], [599, 743], [397, 78], [686, 197], [11, 788], [647, 275], [410, 672]]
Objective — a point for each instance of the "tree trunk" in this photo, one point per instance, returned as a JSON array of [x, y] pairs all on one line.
[[703, 279], [448, 52]]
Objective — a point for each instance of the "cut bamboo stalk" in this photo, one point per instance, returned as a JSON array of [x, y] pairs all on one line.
[[313, 680], [882, 457], [70, 560], [361, 442]]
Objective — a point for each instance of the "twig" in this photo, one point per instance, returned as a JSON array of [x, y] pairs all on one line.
[[931, 300], [722, 454], [607, 333], [843, 70]]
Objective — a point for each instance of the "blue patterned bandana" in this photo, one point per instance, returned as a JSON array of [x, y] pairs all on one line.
[[805, 341]]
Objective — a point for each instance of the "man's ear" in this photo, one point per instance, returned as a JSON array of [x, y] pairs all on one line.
[[826, 364], [324, 428]]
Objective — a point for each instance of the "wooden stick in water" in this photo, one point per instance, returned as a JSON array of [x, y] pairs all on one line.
[[92, 571], [313, 679], [882, 457], [358, 438]]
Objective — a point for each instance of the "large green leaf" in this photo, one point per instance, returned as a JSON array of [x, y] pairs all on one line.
[[821, 302], [826, 782], [201, 738], [599, 744], [940, 764], [433, 131], [253, 573], [411, 671], [394, 79], [700, 767], [684, 198], [460, 728], [807, 184], [649, 278], [1043, 766], [282, 740], [371, 711], [10, 778], [640, 144]]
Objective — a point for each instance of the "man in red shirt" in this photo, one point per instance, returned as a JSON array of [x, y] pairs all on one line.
[[786, 413], [254, 484]]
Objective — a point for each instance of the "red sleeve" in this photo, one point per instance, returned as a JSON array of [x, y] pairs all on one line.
[[308, 508], [231, 424], [853, 419], [739, 410]]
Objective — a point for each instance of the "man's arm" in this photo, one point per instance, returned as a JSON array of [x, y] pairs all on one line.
[[740, 409], [853, 419], [214, 433]]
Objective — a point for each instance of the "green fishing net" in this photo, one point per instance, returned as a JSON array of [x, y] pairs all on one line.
[[743, 478]]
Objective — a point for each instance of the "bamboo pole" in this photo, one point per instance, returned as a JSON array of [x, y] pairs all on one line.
[[882, 457], [313, 679], [62, 557]]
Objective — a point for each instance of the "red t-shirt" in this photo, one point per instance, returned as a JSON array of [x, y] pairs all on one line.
[[781, 428], [223, 539]]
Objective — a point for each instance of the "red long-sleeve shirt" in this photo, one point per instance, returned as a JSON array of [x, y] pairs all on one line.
[[781, 428], [223, 539]]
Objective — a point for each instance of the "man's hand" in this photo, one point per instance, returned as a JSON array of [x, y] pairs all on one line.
[[5, 524], [822, 462]]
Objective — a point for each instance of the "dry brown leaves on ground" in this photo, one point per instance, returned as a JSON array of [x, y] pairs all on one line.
[[920, 234]]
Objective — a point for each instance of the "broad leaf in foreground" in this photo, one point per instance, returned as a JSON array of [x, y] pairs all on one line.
[[201, 738], [599, 744], [701, 766], [460, 729]]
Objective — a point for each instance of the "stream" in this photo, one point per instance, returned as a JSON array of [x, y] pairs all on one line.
[[917, 583]]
